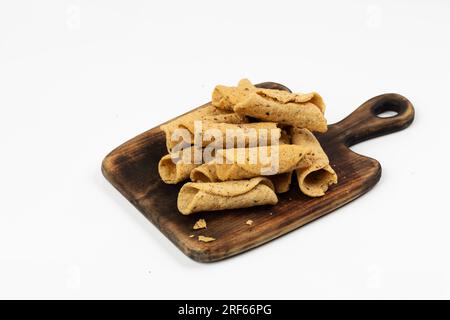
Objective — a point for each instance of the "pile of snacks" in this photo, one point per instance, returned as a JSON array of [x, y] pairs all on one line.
[[242, 149]]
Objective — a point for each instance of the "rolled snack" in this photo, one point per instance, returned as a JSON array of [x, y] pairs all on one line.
[[198, 197], [245, 163], [314, 179], [282, 182], [174, 168], [206, 113], [283, 96], [297, 110], [226, 98]]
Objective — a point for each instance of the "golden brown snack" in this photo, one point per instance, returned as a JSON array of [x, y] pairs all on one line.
[[198, 197], [207, 113], [288, 108], [174, 168], [245, 163], [297, 110], [282, 182], [315, 178], [283, 96], [226, 98]]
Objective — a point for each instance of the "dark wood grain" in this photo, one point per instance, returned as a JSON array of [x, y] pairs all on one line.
[[133, 169]]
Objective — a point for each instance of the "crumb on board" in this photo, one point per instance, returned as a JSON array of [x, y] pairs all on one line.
[[249, 222], [191, 236], [206, 239], [271, 213], [200, 224]]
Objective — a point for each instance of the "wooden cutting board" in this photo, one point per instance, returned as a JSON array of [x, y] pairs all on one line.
[[132, 168]]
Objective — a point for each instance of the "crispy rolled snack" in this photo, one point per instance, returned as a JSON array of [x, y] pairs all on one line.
[[282, 182], [297, 110], [226, 98], [174, 168], [283, 96], [315, 178], [207, 113], [245, 163], [314, 181], [198, 197]]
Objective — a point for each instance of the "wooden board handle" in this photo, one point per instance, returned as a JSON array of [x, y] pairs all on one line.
[[364, 123]]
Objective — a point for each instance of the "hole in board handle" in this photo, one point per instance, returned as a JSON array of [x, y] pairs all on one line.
[[387, 114]]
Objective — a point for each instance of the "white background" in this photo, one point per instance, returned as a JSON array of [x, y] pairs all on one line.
[[78, 78]]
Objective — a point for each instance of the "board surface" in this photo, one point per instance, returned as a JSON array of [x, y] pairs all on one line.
[[132, 168]]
